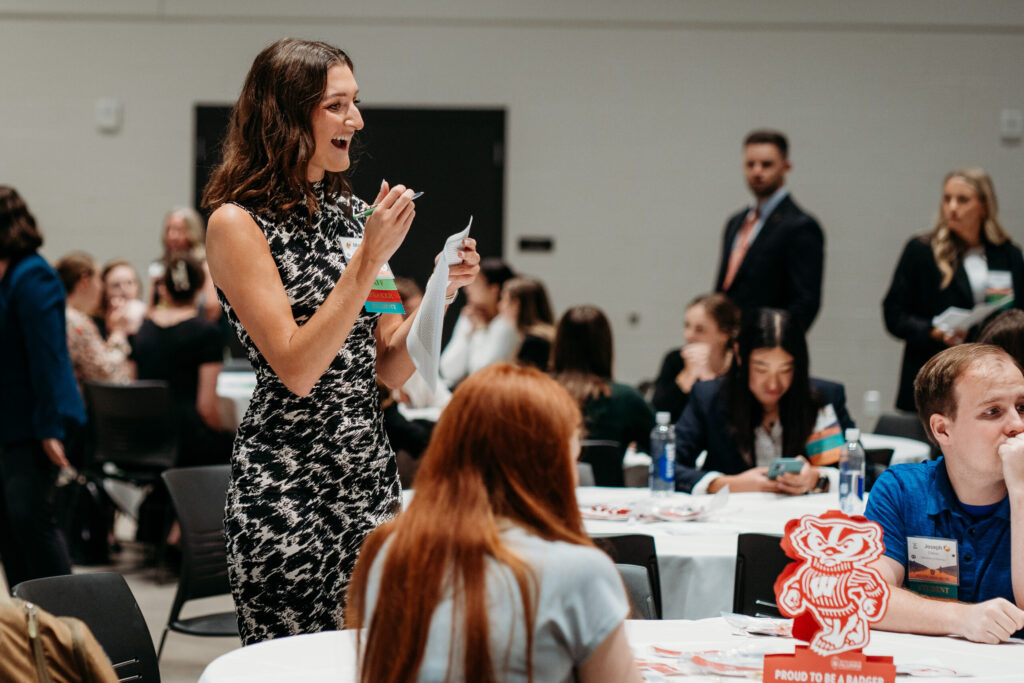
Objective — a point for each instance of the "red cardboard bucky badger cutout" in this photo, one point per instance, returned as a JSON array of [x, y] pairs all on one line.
[[830, 591]]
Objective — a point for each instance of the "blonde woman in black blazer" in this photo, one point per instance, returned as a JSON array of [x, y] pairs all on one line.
[[934, 273]]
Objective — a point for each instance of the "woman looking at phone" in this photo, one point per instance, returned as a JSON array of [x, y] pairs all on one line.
[[766, 407]]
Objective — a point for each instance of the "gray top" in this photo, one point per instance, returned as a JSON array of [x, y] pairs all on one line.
[[580, 602]]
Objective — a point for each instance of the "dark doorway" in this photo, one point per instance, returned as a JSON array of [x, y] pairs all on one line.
[[455, 156]]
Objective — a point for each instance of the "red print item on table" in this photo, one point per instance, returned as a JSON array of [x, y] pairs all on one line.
[[830, 591], [833, 596]]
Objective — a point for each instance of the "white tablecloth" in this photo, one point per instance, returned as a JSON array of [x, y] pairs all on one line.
[[329, 657], [235, 391], [697, 560], [235, 388]]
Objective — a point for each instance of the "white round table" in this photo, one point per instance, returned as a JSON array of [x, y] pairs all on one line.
[[329, 657], [235, 388], [697, 560]]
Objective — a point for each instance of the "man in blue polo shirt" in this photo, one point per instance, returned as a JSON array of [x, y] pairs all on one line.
[[950, 556]]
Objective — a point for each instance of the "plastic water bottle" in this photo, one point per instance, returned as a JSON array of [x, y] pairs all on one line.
[[851, 474], [662, 477]]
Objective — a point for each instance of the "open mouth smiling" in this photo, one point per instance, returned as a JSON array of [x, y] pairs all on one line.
[[340, 143]]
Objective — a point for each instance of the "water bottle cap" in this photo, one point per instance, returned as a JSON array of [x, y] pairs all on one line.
[[852, 434], [663, 417]]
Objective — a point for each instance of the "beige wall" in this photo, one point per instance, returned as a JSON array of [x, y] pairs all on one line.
[[624, 129]]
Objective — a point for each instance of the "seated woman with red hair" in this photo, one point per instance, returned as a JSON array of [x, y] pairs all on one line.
[[489, 575]]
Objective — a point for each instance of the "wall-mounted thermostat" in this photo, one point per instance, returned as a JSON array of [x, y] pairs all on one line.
[[1011, 125], [109, 114]]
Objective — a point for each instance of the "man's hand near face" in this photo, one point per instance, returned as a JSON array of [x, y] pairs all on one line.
[[1012, 454]]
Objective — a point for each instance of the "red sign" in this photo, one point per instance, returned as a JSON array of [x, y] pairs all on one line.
[[833, 596]]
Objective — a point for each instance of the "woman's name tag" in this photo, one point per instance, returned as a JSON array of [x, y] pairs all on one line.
[[383, 297]]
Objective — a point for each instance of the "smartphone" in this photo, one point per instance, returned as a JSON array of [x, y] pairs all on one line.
[[784, 465]]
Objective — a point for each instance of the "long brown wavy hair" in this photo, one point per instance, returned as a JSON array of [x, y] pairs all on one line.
[[947, 247], [501, 450], [270, 136]]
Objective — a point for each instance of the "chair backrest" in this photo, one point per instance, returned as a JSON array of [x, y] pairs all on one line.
[[636, 476], [876, 461], [198, 495], [105, 603], [638, 589], [584, 474], [906, 425], [635, 549], [605, 457], [132, 425], [759, 561]]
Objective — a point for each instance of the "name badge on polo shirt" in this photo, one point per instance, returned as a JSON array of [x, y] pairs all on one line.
[[933, 567]]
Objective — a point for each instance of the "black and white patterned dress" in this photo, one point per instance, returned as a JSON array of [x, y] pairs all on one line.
[[310, 476]]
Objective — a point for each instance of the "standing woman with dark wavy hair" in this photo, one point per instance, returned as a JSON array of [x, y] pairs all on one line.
[[39, 400], [489, 574], [312, 472], [965, 259]]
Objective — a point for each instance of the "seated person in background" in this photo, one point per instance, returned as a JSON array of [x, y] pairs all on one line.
[[710, 324], [766, 407], [1006, 331], [174, 344], [582, 363], [481, 336], [121, 298], [93, 358], [525, 306], [967, 503], [489, 567]]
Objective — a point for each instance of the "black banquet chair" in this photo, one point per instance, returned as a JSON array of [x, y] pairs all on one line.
[[133, 435], [104, 602], [198, 495], [605, 458], [876, 461], [635, 549], [906, 425], [584, 474], [759, 561]]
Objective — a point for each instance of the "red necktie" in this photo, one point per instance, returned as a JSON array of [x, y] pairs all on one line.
[[739, 247]]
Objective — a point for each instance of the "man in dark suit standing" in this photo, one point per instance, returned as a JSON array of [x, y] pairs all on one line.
[[773, 253]]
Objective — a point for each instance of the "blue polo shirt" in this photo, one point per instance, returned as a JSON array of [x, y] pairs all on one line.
[[918, 500]]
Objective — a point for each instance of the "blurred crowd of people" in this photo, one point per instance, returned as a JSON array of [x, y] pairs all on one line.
[[772, 259]]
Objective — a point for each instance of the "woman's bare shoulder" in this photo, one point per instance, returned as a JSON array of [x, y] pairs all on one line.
[[229, 215], [233, 225]]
